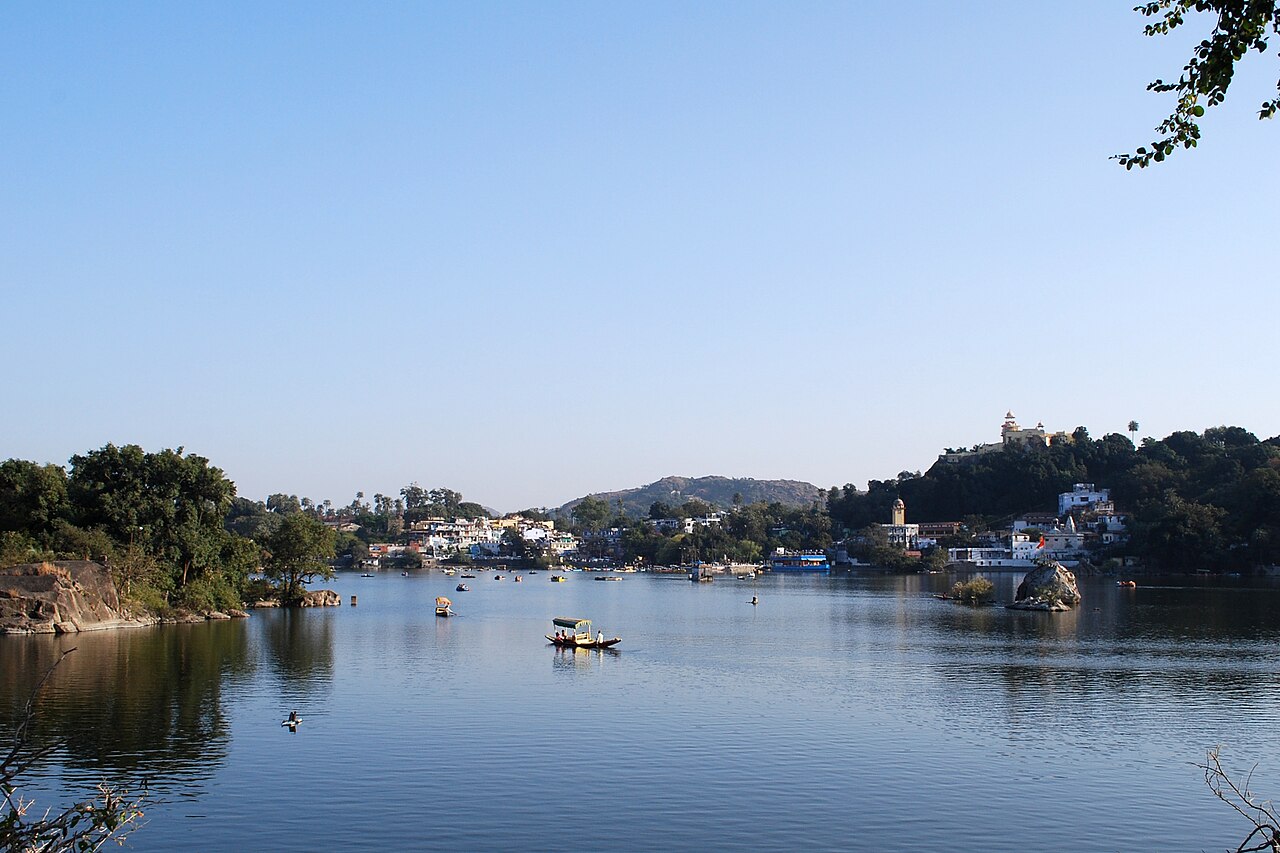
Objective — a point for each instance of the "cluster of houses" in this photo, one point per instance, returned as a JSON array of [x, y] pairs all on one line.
[[1086, 518], [478, 538]]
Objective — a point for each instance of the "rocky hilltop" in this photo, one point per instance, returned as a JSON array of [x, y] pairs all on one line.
[[716, 491], [61, 597]]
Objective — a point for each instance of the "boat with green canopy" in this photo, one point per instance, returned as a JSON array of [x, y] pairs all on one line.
[[577, 634]]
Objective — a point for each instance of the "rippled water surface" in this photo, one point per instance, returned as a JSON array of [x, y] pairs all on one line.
[[839, 714]]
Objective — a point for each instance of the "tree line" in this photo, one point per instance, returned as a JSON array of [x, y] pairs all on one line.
[[1193, 500]]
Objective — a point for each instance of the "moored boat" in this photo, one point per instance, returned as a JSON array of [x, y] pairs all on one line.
[[444, 606], [462, 587]]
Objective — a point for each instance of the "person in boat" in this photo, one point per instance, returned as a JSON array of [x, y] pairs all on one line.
[[599, 638], [755, 600], [293, 718]]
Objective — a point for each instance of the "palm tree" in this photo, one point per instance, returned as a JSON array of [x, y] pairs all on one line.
[[1133, 432]]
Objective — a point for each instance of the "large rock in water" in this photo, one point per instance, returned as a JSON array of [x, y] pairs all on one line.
[[321, 598], [1049, 586], [65, 597]]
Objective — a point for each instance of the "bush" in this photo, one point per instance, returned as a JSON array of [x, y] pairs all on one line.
[[973, 591], [207, 593]]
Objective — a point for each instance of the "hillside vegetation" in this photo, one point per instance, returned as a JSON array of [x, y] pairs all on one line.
[[718, 492]]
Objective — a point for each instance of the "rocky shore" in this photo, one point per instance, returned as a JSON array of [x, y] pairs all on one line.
[[70, 596]]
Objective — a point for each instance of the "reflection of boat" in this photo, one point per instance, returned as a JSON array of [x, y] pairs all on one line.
[[462, 587], [578, 635], [557, 579], [443, 606]]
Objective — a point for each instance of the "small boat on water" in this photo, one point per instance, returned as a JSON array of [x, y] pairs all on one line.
[[497, 577], [557, 579], [577, 634], [444, 607], [450, 572], [1127, 584], [608, 578], [462, 587], [469, 576], [366, 575], [518, 579]]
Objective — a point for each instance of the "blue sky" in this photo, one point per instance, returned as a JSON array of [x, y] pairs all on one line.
[[534, 250]]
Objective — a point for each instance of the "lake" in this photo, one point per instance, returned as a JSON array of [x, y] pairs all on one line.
[[841, 713]]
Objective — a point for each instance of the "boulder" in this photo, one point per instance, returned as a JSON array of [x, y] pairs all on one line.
[[321, 598], [216, 616], [1049, 586], [237, 614], [66, 597]]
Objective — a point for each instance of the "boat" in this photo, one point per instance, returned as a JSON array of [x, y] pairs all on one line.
[[462, 587], [799, 561], [608, 578], [578, 635], [518, 579], [1127, 584], [497, 577], [557, 579], [444, 607], [451, 572], [469, 576], [366, 575]]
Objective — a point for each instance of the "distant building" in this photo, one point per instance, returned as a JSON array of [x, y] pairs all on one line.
[[899, 533], [1011, 434], [939, 529], [1082, 496]]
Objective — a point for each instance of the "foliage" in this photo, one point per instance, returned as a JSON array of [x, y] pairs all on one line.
[[297, 553], [1194, 500], [977, 590], [715, 492], [86, 825], [420, 503], [1242, 26]]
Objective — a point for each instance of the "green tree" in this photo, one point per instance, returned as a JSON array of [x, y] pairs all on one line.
[[1242, 26], [591, 513], [297, 553], [33, 498]]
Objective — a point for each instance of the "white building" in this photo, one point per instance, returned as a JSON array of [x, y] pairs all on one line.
[[1082, 496]]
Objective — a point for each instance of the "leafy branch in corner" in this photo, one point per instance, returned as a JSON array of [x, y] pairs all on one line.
[[1265, 835], [1243, 26], [85, 826]]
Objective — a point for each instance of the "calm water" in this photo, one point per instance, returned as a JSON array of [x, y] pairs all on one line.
[[839, 714]]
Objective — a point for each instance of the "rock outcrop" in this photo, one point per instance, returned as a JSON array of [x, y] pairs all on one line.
[[62, 597], [1049, 586], [321, 598]]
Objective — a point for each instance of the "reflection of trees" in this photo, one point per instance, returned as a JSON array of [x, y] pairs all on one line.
[[127, 698], [300, 641]]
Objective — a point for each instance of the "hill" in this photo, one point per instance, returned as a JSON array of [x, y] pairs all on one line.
[[717, 491]]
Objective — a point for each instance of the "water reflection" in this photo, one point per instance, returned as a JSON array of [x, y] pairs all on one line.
[[147, 698], [299, 644]]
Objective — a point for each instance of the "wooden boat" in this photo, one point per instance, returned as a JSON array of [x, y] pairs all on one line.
[[444, 606], [578, 635]]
